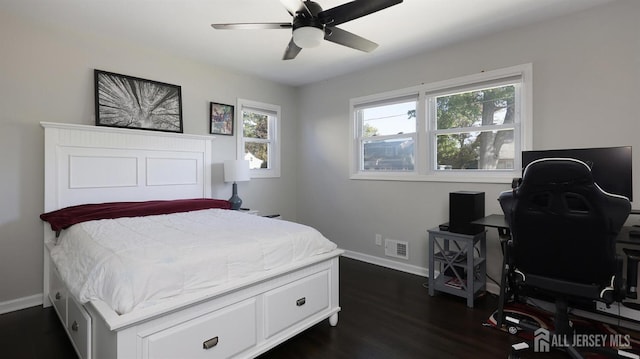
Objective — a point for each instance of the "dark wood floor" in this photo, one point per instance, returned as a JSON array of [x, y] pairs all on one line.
[[385, 314], [33, 333], [389, 314]]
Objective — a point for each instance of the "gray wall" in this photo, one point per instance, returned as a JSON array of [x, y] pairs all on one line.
[[586, 89], [47, 75]]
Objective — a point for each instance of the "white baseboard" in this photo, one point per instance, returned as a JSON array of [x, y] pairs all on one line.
[[20, 303], [408, 268], [493, 288], [387, 263]]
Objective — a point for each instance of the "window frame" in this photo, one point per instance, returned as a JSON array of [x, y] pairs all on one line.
[[273, 141], [425, 145], [396, 98]]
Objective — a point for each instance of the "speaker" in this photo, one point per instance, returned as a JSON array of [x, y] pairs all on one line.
[[464, 207]]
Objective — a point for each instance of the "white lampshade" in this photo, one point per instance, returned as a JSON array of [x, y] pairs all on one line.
[[236, 170], [308, 36]]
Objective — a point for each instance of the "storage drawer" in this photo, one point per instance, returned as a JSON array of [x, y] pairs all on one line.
[[293, 302], [220, 334], [79, 328], [58, 294]]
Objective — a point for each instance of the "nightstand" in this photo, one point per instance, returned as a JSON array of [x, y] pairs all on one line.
[[461, 263]]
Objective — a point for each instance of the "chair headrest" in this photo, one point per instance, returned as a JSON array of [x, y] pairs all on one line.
[[557, 171]]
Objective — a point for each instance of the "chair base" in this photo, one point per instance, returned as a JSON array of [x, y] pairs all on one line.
[[543, 338]]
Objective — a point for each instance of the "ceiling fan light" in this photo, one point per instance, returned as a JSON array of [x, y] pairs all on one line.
[[308, 36]]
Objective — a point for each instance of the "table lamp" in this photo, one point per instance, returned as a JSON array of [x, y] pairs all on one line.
[[236, 171]]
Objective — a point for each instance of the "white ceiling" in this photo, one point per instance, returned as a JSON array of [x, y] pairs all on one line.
[[183, 27]]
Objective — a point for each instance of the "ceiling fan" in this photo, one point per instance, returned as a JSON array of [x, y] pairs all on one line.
[[311, 24]]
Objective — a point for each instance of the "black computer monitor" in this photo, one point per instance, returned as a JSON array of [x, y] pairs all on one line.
[[610, 166]]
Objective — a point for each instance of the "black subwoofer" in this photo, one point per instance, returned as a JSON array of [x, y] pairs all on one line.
[[465, 207]]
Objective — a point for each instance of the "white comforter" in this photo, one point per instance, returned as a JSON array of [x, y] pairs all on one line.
[[131, 263]]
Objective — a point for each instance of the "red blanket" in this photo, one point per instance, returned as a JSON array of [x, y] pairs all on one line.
[[66, 217]]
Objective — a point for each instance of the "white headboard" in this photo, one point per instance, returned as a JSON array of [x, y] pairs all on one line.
[[91, 164]]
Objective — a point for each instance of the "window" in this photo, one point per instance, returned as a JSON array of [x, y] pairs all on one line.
[[258, 139], [387, 134], [467, 129], [474, 129]]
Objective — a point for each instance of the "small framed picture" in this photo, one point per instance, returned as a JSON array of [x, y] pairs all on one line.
[[221, 119], [132, 102]]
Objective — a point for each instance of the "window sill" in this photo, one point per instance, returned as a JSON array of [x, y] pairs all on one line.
[[265, 173], [501, 178]]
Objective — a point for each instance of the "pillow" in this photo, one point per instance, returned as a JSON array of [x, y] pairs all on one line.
[[66, 217]]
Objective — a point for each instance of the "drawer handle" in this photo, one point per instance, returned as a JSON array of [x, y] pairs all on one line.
[[75, 326], [58, 296], [300, 302], [208, 344]]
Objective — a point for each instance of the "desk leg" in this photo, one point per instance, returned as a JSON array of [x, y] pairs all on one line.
[[503, 279], [471, 275], [432, 273]]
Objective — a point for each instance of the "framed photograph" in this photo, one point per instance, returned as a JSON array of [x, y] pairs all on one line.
[[221, 119], [131, 102]]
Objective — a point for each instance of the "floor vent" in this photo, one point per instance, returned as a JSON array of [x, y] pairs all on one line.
[[398, 249]]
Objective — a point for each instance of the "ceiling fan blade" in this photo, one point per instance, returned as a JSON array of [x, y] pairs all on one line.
[[353, 10], [292, 51], [295, 6], [252, 26], [345, 38]]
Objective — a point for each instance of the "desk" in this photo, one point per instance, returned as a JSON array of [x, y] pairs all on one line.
[[493, 220], [500, 223], [623, 236]]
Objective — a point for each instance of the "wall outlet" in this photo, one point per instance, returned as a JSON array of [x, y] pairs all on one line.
[[378, 239]]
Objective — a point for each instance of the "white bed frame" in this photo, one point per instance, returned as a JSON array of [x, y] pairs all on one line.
[[89, 164]]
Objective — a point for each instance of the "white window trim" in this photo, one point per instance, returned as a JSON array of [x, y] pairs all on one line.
[[354, 143], [274, 153], [395, 97], [422, 170]]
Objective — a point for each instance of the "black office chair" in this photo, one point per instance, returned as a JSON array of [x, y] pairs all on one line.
[[563, 238]]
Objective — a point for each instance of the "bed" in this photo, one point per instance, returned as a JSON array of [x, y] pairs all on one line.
[[240, 317]]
